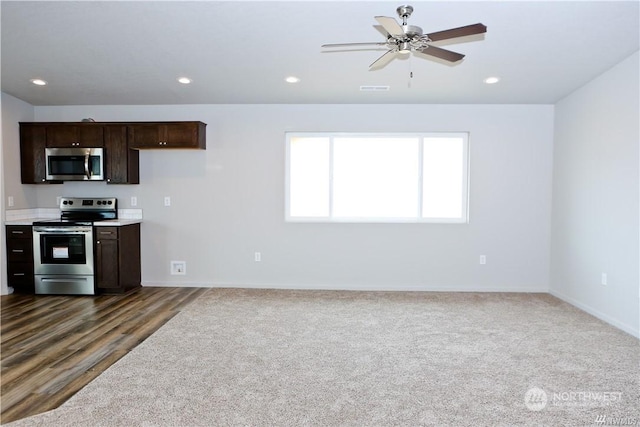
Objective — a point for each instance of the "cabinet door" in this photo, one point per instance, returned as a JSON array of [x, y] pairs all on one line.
[[167, 135], [32, 157], [182, 135], [122, 164], [88, 135], [145, 136], [107, 261]]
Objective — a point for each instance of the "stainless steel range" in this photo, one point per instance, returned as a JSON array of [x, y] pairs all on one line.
[[63, 248]]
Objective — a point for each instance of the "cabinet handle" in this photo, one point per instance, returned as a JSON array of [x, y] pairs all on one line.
[[106, 232], [17, 251], [18, 274], [17, 232]]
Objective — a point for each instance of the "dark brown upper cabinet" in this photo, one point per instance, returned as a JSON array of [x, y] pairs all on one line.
[[121, 141], [122, 164], [33, 140], [75, 135], [167, 135]]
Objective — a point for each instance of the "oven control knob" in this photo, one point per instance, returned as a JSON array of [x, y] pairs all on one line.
[[110, 202], [65, 202], [99, 202], [70, 202]]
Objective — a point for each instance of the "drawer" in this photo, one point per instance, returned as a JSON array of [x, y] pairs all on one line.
[[20, 250], [102, 233], [20, 274], [19, 232]]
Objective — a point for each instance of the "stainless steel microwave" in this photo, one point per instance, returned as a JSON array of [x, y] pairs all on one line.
[[74, 164]]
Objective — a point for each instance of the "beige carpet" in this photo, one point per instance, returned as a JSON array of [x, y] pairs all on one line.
[[329, 358]]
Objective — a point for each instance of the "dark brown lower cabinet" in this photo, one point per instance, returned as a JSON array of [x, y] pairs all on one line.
[[20, 258], [117, 254]]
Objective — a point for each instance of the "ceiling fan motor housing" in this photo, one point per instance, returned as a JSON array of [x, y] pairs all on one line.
[[413, 35], [413, 38]]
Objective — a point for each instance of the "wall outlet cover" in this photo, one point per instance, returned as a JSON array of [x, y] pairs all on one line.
[[178, 268]]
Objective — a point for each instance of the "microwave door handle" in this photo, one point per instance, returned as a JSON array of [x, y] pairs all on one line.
[[86, 166]]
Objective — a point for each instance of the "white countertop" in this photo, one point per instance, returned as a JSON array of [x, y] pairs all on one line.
[[116, 222], [29, 216], [25, 221]]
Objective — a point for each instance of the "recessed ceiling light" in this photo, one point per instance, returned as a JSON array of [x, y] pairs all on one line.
[[491, 80], [184, 80], [292, 79], [38, 82]]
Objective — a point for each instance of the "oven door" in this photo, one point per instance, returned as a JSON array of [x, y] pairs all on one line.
[[64, 250]]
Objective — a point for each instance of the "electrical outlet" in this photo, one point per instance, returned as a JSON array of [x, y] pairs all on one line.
[[178, 268], [134, 201], [257, 257], [603, 279], [167, 201], [10, 201], [483, 259], [58, 200]]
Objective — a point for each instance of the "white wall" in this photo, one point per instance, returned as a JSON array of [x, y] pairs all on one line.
[[596, 197], [13, 112], [228, 201]]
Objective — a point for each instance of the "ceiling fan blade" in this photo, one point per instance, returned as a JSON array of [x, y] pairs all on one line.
[[438, 52], [383, 60], [453, 33], [353, 44], [390, 25]]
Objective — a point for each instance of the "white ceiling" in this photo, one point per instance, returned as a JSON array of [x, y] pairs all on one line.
[[115, 52]]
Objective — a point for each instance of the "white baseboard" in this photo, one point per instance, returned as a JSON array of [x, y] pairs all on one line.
[[596, 313], [422, 288]]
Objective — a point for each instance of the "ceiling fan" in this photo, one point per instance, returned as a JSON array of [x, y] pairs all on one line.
[[405, 38]]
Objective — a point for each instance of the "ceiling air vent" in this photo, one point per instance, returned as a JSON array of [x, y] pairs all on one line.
[[374, 88]]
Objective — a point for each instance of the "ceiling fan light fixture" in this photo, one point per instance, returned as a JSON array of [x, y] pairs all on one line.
[[404, 47]]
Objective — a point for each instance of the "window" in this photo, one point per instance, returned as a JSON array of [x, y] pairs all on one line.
[[377, 177]]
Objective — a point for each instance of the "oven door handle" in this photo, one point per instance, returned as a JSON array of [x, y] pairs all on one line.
[[62, 230], [86, 166]]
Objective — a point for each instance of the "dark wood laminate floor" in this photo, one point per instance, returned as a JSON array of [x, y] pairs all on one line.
[[52, 346]]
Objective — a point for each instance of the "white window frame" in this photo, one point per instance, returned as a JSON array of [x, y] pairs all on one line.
[[418, 218]]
